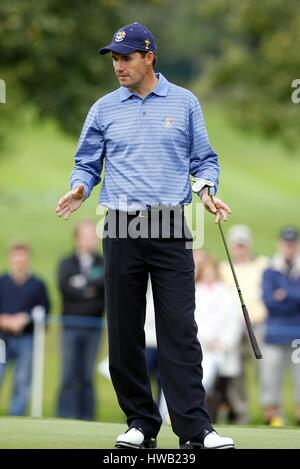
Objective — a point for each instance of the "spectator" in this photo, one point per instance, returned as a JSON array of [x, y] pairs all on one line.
[[249, 270], [281, 294], [199, 256], [81, 283], [219, 331], [20, 292]]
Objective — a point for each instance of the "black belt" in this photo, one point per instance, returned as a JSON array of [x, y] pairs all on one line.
[[145, 213]]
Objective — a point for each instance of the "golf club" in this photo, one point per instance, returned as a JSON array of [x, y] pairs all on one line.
[[254, 344]]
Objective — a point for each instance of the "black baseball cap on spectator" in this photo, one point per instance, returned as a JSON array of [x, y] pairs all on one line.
[[289, 233], [131, 38]]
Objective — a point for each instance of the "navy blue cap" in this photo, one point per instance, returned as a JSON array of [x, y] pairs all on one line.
[[289, 233], [129, 39]]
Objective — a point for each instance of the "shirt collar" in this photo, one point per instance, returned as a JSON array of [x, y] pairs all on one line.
[[161, 88]]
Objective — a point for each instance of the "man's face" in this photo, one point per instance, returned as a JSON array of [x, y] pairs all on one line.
[[288, 249], [86, 240], [19, 260], [131, 69], [240, 251]]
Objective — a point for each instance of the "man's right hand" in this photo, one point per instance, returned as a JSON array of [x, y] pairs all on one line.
[[70, 202]]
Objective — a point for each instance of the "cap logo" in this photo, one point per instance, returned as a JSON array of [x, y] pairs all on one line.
[[120, 36], [147, 43], [168, 122]]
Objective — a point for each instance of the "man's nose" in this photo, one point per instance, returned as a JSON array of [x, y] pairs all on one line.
[[119, 66]]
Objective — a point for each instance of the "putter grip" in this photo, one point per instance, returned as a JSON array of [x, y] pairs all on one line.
[[252, 337]]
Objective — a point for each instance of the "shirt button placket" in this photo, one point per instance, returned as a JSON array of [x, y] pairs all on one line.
[[143, 112], [140, 109]]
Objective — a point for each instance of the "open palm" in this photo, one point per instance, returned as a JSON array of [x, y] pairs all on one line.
[[70, 202]]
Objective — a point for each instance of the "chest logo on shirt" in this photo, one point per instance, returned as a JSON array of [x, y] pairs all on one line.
[[120, 36], [168, 122]]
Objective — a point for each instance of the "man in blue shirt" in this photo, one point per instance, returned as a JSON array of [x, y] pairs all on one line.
[[20, 293], [152, 136], [281, 294], [81, 284]]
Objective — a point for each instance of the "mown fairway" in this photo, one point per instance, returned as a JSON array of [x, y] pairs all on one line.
[[50, 433]]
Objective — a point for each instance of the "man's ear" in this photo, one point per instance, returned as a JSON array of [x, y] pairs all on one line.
[[149, 58]]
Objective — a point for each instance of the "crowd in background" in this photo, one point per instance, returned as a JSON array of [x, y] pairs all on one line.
[[271, 290], [80, 280]]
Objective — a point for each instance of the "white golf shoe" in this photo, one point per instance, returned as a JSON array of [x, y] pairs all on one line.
[[212, 440], [134, 438]]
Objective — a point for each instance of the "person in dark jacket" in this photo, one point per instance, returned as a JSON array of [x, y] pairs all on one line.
[[281, 294], [81, 283], [20, 293]]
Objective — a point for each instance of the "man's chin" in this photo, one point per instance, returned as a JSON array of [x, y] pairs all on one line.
[[125, 82]]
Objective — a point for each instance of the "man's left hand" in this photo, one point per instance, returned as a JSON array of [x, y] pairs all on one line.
[[216, 206], [18, 322]]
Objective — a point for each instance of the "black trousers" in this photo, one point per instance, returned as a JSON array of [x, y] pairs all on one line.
[[128, 263]]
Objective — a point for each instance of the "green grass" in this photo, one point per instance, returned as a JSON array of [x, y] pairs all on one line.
[[260, 180], [107, 408], [61, 434]]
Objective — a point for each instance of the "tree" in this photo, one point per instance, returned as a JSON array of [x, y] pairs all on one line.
[[242, 53], [48, 56], [257, 58]]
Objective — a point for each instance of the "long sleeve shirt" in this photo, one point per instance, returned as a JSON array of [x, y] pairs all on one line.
[[283, 320], [16, 298], [82, 286], [149, 146]]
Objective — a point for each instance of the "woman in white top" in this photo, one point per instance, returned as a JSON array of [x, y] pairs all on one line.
[[219, 326]]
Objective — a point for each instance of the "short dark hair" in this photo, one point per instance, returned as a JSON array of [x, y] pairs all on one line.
[[144, 52]]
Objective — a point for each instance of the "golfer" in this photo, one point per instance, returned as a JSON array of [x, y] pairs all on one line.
[[151, 136]]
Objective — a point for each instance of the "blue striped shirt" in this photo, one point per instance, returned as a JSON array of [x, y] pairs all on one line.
[[149, 147]]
